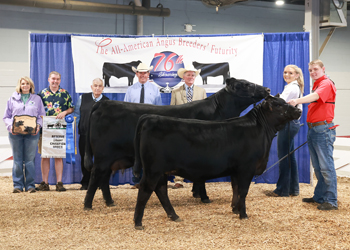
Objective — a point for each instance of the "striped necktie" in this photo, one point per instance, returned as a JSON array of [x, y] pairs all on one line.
[[189, 94]]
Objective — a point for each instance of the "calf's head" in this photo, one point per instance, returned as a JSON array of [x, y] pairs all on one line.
[[279, 112], [245, 89]]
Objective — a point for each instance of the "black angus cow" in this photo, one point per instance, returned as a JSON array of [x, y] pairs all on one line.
[[213, 69], [113, 123], [202, 150], [119, 70]]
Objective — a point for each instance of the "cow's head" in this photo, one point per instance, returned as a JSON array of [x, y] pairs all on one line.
[[245, 89], [278, 112]]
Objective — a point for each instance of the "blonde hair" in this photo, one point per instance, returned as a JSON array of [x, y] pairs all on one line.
[[28, 80], [318, 62], [300, 79], [54, 73]]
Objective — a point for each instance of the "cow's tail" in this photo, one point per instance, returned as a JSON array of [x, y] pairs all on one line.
[[137, 143], [88, 149]]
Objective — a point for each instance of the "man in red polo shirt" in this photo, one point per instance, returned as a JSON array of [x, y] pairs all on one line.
[[321, 136]]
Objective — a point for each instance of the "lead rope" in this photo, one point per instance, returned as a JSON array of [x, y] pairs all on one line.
[[283, 158]]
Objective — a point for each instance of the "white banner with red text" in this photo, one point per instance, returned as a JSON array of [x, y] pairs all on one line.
[[218, 57]]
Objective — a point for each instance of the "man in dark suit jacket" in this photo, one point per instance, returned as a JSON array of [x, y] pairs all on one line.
[[82, 112]]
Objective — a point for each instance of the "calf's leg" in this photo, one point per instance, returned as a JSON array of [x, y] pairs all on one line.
[[162, 194], [243, 187], [90, 193], [234, 203], [199, 191], [147, 187], [104, 185], [203, 193], [195, 190]]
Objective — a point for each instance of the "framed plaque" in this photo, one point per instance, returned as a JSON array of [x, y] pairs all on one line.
[[24, 124]]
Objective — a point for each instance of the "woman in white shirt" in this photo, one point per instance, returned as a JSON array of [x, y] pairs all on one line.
[[288, 180]]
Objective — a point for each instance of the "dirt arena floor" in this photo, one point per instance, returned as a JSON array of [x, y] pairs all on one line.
[[54, 220]]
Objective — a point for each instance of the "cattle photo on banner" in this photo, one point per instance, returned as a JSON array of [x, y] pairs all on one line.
[[53, 137], [219, 58]]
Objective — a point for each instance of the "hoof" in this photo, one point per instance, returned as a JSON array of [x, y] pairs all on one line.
[[110, 204], [243, 218], [87, 208], [174, 218], [196, 195], [235, 210], [139, 227], [206, 201], [178, 220]]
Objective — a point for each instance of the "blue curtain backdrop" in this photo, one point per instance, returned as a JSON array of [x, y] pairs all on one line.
[[281, 49], [53, 52]]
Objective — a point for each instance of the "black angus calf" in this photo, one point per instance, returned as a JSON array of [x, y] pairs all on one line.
[[119, 70], [202, 150], [212, 69], [113, 123]]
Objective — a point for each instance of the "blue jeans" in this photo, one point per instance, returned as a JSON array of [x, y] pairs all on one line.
[[288, 180], [23, 149], [320, 141]]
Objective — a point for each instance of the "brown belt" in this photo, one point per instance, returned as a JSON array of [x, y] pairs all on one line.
[[315, 124]]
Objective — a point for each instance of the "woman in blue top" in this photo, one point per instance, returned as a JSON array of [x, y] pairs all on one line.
[[24, 102], [288, 180]]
